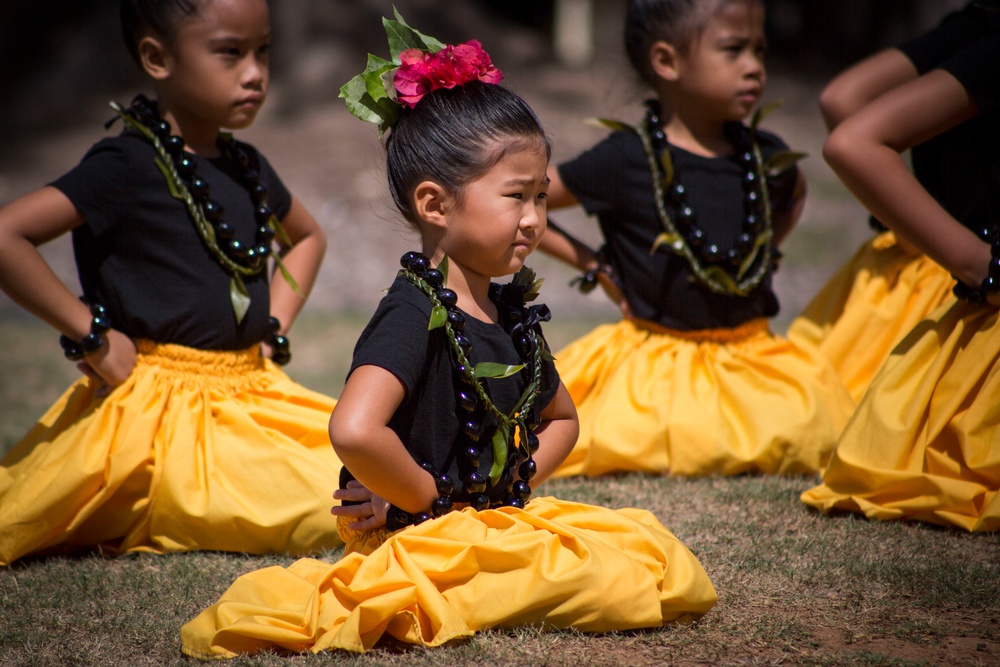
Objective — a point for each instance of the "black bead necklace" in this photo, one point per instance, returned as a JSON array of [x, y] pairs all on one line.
[[990, 284], [741, 268], [475, 406], [180, 171]]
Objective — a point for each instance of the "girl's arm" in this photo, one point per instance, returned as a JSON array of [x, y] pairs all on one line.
[[865, 152], [302, 259], [784, 221], [556, 435], [25, 277], [361, 437], [861, 83]]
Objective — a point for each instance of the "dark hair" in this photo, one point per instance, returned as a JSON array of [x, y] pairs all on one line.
[[676, 22], [158, 17], [453, 137]]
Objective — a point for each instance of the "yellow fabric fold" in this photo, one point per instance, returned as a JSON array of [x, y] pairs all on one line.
[[195, 450], [554, 564], [654, 402], [924, 443], [868, 306]]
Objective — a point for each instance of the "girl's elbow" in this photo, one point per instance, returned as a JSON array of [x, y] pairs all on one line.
[[345, 436], [838, 149]]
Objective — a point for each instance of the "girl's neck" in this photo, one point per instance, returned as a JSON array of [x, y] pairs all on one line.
[[198, 137], [472, 288], [694, 133]]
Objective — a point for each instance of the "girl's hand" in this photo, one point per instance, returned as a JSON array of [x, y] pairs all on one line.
[[371, 511], [111, 364]]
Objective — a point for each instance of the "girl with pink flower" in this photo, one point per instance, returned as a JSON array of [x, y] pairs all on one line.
[[453, 412]]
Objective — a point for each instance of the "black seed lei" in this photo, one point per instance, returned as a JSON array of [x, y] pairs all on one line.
[[179, 169], [475, 405], [740, 269]]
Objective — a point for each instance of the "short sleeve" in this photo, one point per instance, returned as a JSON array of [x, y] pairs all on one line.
[[976, 68], [381, 343], [102, 186], [955, 32], [595, 176]]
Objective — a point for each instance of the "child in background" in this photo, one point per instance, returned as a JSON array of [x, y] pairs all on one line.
[[453, 412], [924, 442], [888, 287], [692, 204], [182, 435]]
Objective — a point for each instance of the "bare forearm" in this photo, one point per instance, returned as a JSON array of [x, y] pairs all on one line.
[[561, 245], [303, 262]]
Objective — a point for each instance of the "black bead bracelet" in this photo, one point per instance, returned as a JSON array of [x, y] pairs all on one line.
[[280, 347], [587, 281], [92, 342]]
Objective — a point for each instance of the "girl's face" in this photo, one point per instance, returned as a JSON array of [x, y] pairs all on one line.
[[722, 72], [218, 64], [500, 216]]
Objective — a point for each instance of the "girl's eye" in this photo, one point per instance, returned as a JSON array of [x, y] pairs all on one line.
[[264, 50], [543, 195], [516, 195]]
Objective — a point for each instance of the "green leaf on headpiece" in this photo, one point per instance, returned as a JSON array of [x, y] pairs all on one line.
[[366, 95], [403, 37], [439, 315], [491, 369]]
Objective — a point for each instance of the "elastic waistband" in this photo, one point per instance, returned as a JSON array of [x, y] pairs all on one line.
[[747, 330], [230, 370]]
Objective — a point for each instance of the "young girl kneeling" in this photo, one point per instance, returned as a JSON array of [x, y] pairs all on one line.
[[452, 414]]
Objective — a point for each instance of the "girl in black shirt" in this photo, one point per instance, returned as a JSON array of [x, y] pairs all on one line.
[[182, 435], [453, 414]]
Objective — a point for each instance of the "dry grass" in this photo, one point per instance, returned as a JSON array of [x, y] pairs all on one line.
[[794, 587]]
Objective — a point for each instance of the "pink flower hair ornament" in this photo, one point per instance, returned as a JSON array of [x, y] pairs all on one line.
[[419, 65]]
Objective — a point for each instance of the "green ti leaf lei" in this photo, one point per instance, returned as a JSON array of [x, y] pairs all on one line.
[[507, 424]]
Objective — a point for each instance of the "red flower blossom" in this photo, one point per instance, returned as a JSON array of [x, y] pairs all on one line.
[[420, 72]]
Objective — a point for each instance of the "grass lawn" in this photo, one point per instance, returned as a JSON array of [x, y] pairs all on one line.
[[795, 587]]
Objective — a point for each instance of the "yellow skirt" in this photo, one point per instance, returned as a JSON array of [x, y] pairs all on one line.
[[554, 564], [195, 450], [925, 441], [697, 403], [868, 307]]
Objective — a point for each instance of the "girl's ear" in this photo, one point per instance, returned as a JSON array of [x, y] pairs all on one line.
[[663, 58], [155, 58], [432, 203]]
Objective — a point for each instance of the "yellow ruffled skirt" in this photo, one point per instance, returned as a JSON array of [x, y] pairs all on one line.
[[697, 403], [868, 306], [554, 564], [925, 441], [195, 450]]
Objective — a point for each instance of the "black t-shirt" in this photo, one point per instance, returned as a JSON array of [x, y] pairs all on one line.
[[612, 180], [140, 255], [960, 168], [397, 339]]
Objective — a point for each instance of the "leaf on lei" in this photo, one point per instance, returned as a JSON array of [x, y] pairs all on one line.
[[667, 163], [719, 275], [526, 281], [609, 124], [439, 315], [403, 37], [675, 241], [763, 112], [546, 354], [761, 241], [500, 438], [494, 370], [781, 161], [443, 268], [279, 231], [287, 275], [239, 297], [171, 184]]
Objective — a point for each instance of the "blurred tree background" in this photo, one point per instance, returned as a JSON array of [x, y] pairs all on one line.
[[58, 57]]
